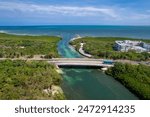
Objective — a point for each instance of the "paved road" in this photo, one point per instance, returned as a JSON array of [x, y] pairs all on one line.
[[79, 62]]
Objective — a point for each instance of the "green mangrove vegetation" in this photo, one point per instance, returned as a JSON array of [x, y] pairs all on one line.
[[135, 77], [15, 46], [29, 80], [102, 47]]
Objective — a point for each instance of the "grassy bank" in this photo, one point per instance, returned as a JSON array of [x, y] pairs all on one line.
[[135, 77], [102, 47], [28, 80], [15, 46]]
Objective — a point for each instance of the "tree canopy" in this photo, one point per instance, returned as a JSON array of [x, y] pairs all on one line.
[[15, 46], [27, 80], [135, 77]]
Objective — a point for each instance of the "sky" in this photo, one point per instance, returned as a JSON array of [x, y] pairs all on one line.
[[74, 12]]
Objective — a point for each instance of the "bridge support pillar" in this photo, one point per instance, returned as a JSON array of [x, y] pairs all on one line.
[[58, 69], [104, 69]]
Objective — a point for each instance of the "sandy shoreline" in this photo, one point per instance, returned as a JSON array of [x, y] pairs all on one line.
[[81, 50]]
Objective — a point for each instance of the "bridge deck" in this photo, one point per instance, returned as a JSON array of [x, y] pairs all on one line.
[[79, 62]]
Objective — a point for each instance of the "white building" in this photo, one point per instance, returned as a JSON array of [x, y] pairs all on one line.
[[127, 45], [146, 46]]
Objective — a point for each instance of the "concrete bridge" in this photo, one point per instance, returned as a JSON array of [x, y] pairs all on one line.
[[79, 62]]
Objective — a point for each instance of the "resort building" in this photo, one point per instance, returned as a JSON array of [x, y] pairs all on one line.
[[146, 46], [127, 45]]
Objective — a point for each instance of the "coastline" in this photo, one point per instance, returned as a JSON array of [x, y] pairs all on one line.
[[75, 38]]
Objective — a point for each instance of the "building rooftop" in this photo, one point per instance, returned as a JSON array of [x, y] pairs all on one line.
[[127, 45]]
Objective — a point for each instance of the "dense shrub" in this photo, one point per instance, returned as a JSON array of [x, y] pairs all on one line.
[[134, 77], [15, 46], [27, 80]]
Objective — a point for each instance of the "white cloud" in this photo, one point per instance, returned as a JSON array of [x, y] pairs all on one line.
[[105, 13], [131, 14], [64, 10]]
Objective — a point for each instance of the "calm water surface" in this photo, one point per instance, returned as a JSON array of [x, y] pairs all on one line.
[[86, 83]]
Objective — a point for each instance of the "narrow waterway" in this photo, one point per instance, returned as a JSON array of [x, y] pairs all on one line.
[[89, 84]]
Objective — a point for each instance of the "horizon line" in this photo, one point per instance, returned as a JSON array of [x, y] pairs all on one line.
[[70, 25]]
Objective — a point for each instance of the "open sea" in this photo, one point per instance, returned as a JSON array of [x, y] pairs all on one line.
[[85, 84]]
